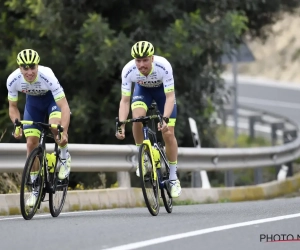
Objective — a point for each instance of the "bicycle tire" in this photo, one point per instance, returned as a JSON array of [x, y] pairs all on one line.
[[58, 185], [164, 173], [63, 186], [26, 180], [147, 179], [168, 203]]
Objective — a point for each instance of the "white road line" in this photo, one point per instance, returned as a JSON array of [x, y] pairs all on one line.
[[199, 232], [269, 102], [61, 214]]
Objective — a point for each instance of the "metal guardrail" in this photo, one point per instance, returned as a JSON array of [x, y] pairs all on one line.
[[114, 158], [122, 158], [278, 124]]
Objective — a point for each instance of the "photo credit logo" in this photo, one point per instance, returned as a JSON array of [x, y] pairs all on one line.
[[279, 237]]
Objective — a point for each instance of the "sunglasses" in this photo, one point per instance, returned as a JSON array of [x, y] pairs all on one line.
[[27, 66]]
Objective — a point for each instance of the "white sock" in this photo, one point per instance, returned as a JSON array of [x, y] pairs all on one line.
[[33, 177], [173, 170], [64, 152]]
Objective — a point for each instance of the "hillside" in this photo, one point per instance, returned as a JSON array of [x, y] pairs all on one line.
[[279, 57]]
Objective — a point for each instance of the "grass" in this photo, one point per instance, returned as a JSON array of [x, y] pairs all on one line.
[[225, 137]]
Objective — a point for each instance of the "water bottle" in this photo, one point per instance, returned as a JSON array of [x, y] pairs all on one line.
[[156, 157], [51, 159]]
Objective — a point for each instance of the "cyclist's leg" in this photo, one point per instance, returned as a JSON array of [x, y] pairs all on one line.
[[32, 112], [55, 118], [141, 99], [32, 133], [170, 142], [54, 113]]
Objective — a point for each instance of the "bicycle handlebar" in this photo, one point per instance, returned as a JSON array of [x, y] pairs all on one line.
[[18, 124], [139, 119]]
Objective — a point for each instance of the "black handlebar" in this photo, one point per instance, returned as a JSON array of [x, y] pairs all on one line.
[[18, 125], [142, 119]]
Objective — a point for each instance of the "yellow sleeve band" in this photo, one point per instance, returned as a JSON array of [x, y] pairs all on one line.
[[168, 90], [14, 99], [126, 93], [59, 97]]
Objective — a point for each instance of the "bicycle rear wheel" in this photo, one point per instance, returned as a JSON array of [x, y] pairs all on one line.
[[164, 173], [59, 193], [32, 184], [148, 184]]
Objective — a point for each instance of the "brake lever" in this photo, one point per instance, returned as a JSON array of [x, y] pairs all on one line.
[[118, 127], [60, 130], [17, 127], [160, 118]]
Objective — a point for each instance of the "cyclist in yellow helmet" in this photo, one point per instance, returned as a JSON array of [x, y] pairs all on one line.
[[45, 97], [152, 76]]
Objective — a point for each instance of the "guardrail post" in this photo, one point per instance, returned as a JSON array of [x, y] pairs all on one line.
[[258, 176], [196, 180], [123, 179], [252, 120], [251, 127], [229, 178], [274, 127], [288, 136]]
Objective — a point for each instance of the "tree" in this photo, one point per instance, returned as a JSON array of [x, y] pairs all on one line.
[[87, 43]]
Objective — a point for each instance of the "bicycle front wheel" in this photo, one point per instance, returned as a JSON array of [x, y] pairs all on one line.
[[148, 183], [32, 184]]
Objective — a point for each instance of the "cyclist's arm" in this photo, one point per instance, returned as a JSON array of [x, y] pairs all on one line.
[[13, 110], [169, 89], [169, 105], [60, 99], [12, 97], [124, 107], [126, 93], [65, 113], [63, 104]]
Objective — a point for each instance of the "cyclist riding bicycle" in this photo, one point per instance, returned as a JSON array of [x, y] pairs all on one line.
[[153, 78], [45, 97]]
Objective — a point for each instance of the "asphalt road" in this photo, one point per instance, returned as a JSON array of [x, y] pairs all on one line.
[[279, 98], [207, 226]]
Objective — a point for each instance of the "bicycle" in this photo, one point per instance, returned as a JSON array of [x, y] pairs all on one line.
[[153, 164], [40, 173]]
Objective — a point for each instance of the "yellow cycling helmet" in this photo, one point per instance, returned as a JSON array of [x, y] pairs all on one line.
[[142, 49], [28, 56]]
